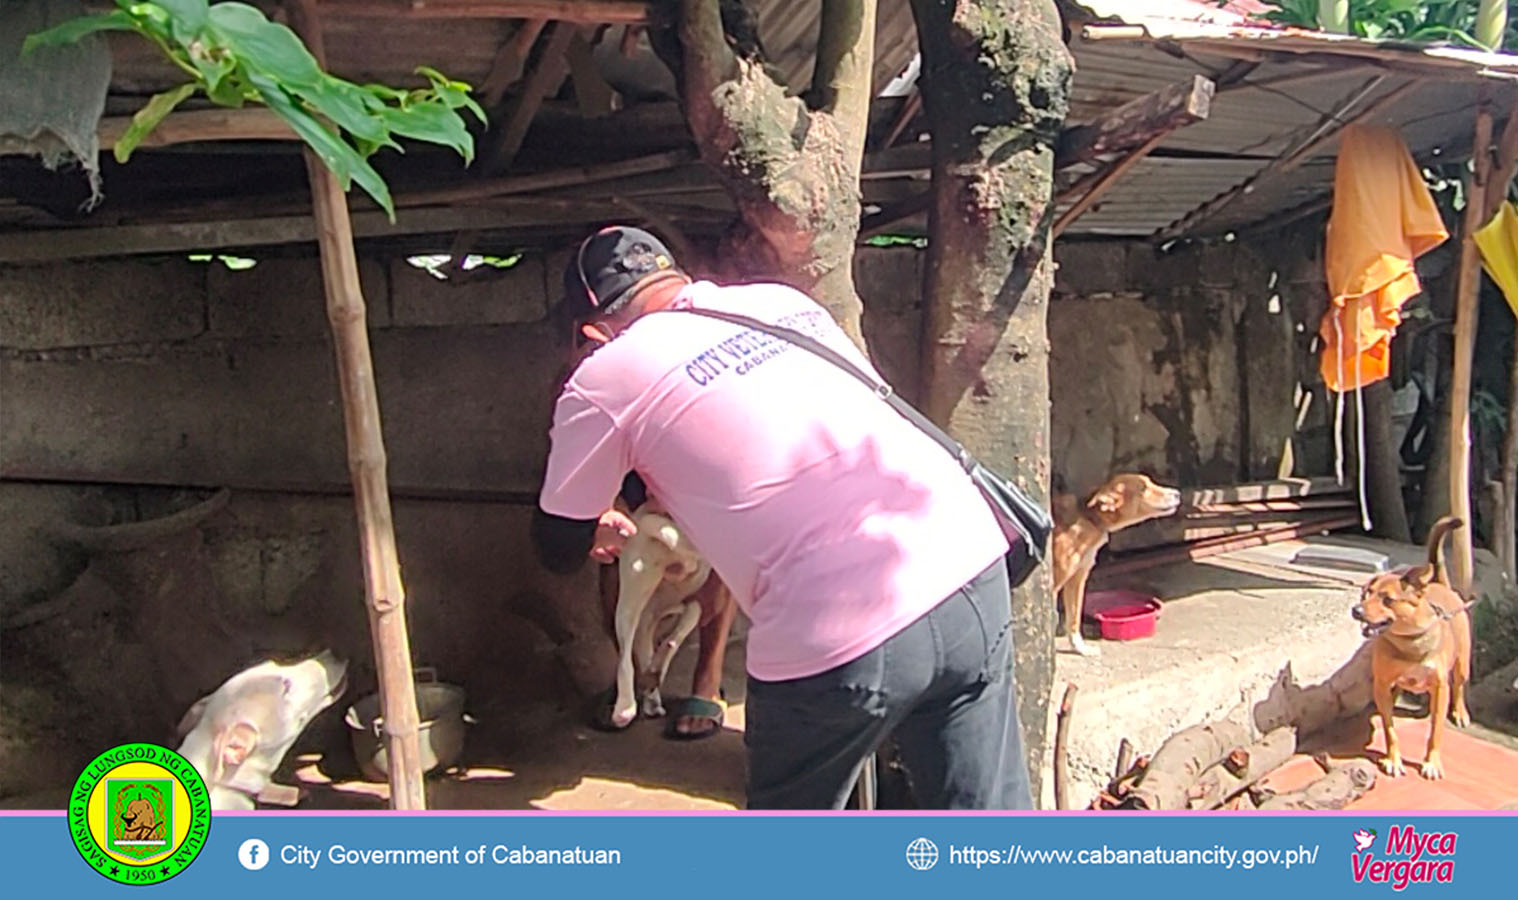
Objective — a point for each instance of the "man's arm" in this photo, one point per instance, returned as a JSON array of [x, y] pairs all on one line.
[[587, 464], [563, 544]]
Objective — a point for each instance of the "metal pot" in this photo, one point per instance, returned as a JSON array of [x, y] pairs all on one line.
[[440, 707]]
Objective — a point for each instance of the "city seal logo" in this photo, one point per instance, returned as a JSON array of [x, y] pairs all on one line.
[[139, 814]]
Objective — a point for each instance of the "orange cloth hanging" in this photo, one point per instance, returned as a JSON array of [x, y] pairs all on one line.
[[1383, 218]]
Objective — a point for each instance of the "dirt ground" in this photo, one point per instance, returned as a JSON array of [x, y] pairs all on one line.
[[514, 758], [550, 759]]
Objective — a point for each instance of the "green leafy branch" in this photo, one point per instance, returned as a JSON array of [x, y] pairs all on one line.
[[235, 55], [1474, 23]]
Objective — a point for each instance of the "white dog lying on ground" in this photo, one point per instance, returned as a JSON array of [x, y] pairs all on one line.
[[237, 736]]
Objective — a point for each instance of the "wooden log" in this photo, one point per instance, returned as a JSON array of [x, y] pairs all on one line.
[[1280, 489], [366, 461], [1190, 552], [251, 123], [1507, 519], [1062, 749], [505, 138], [1137, 122], [579, 12], [510, 62], [128, 240], [1124, 759], [1467, 310], [1195, 529], [1180, 760], [1243, 767], [1335, 790]]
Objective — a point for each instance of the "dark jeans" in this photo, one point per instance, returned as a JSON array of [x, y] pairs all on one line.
[[943, 686]]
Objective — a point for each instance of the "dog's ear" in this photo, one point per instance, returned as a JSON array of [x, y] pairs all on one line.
[[192, 718], [1109, 499], [232, 746], [1418, 577]]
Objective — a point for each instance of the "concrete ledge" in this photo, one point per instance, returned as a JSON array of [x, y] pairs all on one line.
[[1244, 636]]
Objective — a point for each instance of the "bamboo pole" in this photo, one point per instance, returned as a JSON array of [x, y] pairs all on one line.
[[366, 463], [1467, 309]]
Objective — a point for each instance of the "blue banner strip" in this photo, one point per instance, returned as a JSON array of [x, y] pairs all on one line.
[[274, 855]]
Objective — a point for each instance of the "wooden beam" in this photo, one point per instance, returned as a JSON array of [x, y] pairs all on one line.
[[505, 139], [1507, 166], [579, 12], [190, 237], [1135, 123], [1105, 182], [593, 94], [1327, 128], [904, 117], [251, 123], [510, 62], [881, 222], [541, 181], [1467, 309], [366, 462]]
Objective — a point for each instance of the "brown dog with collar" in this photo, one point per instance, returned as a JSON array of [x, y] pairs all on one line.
[[1422, 639], [1080, 532]]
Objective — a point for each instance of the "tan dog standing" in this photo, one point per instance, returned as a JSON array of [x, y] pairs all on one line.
[[1422, 636], [1080, 532]]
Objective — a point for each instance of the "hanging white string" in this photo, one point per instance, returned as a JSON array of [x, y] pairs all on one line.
[[1339, 412], [1360, 438]]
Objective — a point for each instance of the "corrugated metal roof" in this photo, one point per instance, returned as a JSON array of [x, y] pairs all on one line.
[[1299, 77]]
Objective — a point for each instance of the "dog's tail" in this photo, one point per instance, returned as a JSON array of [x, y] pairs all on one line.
[[1436, 537]]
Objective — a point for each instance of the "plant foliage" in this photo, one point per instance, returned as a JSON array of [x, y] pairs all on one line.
[[235, 55], [1423, 21]]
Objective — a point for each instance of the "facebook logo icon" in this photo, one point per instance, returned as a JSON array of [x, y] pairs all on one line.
[[253, 854]]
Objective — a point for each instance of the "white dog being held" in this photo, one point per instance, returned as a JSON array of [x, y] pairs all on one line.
[[659, 573], [237, 736]]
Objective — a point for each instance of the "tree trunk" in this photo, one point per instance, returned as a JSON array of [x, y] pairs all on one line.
[[995, 84], [1504, 529], [1435, 500], [791, 164]]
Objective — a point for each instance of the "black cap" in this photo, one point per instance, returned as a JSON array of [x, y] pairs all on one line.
[[606, 265]]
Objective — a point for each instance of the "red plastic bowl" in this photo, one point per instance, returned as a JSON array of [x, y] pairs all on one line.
[[1123, 615]]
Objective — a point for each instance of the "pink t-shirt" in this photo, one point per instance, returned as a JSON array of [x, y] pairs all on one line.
[[835, 522]]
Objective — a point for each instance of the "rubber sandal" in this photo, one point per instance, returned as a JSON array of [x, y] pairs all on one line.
[[714, 711]]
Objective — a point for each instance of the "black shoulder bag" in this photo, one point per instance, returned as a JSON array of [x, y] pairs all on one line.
[[1025, 524]]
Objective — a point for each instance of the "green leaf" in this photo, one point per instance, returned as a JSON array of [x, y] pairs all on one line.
[[266, 46], [336, 154], [435, 124], [345, 105], [214, 69], [192, 14], [69, 32], [148, 118], [150, 14]]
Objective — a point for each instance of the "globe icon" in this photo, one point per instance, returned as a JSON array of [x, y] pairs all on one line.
[[922, 854]]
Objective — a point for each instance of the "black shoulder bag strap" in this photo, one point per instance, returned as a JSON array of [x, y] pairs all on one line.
[[1025, 524]]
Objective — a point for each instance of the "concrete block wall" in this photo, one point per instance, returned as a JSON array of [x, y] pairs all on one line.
[[119, 376]]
